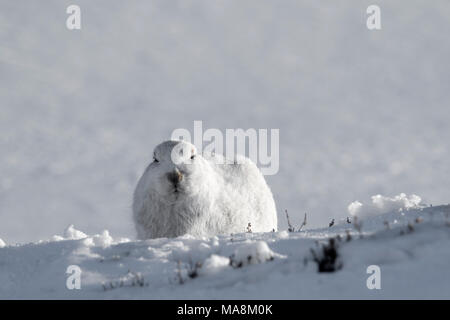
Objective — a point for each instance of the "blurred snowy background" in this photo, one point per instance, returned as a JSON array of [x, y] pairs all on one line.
[[360, 112]]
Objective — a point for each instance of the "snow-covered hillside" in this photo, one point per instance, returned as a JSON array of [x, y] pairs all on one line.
[[411, 247], [359, 112]]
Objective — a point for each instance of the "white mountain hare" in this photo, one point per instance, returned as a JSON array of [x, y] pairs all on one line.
[[182, 192]]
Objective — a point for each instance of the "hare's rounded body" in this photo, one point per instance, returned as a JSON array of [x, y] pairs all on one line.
[[182, 192]]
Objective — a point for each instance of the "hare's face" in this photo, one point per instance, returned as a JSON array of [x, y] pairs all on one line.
[[176, 170]]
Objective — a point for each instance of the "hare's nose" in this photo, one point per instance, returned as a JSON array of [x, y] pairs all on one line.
[[175, 177]]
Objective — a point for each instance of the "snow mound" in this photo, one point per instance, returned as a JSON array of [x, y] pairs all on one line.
[[70, 233], [2, 243], [215, 264], [102, 240], [251, 253], [382, 204], [73, 234]]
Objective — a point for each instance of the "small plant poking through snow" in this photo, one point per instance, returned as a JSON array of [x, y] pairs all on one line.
[[131, 279], [249, 228], [290, 226], [303, 223], [193, 269], [331, 223], [327, 259], [251, 253], [410, 226]]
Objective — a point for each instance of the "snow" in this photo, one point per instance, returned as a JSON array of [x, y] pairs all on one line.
[[102, 240], [73, 234], [214, 264], [382, 204], [251, 253], [2, 243], [412, 255]]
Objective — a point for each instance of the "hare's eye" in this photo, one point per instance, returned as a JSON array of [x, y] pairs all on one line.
[[155, 160], [193, 157]]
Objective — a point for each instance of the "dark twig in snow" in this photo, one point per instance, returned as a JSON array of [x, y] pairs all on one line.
[[303, 223], [331, 223], [290, 227]]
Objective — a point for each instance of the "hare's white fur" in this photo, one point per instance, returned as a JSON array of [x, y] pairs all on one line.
[[213, 197]]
